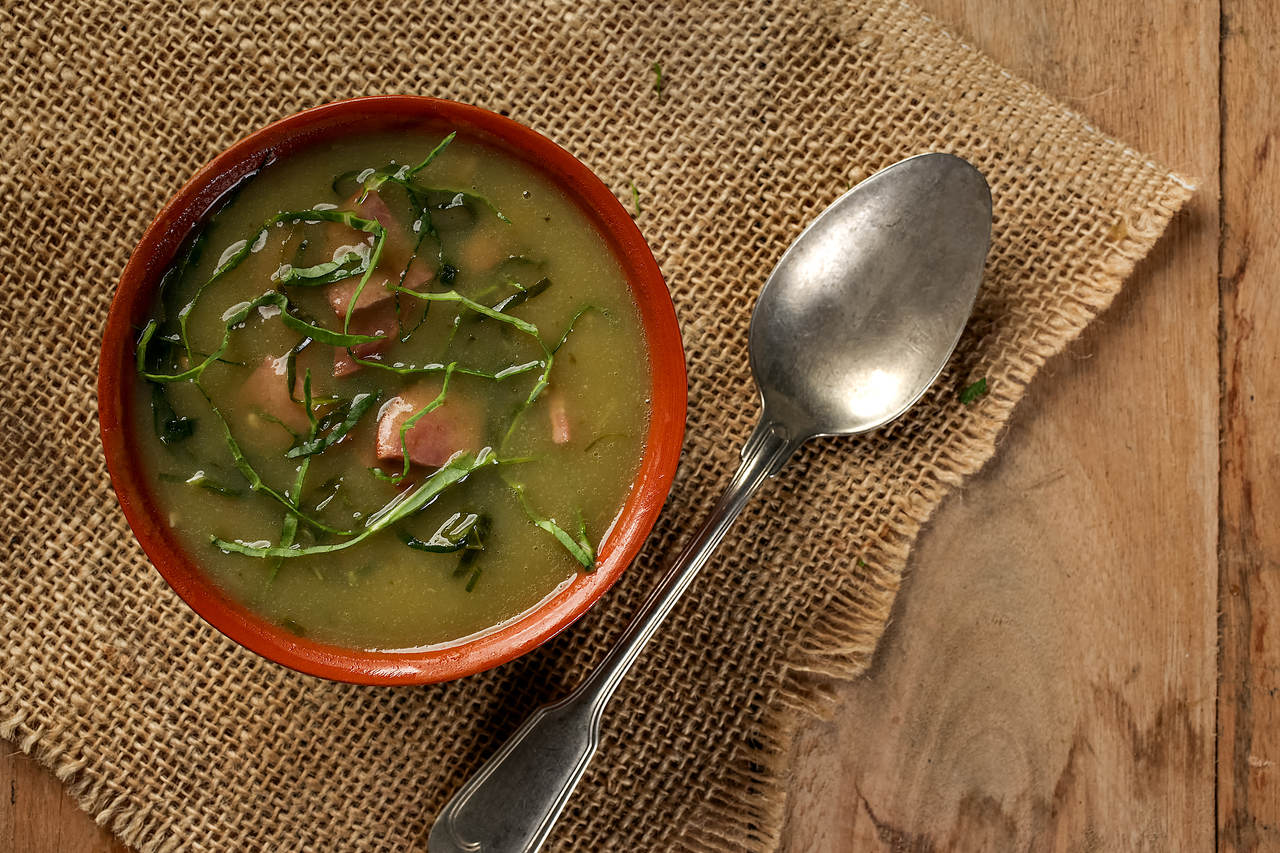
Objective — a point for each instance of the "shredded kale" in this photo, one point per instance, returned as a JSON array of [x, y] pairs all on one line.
[[435, 152], [289, 526], [485, 310], [524, 294], [243, 248], [402, 506], [608, 436], [579, 548], [255, 481], [413, 419], [203, 481], [165, 354], [236, 317], [544, 379], [334, 426], [973, 391], [459, 531], [467, 562], [349, 265], [171, 428], [291, 366]]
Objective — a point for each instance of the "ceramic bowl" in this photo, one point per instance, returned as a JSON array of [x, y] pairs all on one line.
[[117, 381]]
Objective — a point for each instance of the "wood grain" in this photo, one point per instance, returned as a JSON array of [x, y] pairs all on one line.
[[37, 815], [1049, 678], [1249, 684]]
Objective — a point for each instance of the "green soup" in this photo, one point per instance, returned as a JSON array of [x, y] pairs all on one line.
[[396, 391]]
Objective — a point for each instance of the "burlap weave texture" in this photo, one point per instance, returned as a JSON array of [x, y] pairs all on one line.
[[178, 739]]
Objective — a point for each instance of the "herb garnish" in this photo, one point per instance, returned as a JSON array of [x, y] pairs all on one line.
[[475, 546], [339, 269], [335, 426], [410, 421], [459, 531], [289, 526], [170, 427], [544, 379], [256, 483], [580, 547], [202, 480], [657, 80], [973, 391], [523, 294], [608, 436], [166, 355], [397, 509], [235, 318], [233, 258]]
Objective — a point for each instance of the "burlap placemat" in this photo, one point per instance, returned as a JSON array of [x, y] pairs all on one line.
[[176, 738]]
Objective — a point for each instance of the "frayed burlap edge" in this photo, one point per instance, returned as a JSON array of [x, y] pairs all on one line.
[[844, 640], [843, 645]]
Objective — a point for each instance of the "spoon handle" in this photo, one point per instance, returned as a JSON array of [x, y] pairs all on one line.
[[512, 802]]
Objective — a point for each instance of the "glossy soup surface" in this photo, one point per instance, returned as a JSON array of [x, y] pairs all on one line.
[[549, 438]]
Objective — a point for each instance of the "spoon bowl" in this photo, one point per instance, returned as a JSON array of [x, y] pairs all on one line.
[[854, 324], [863, 310]]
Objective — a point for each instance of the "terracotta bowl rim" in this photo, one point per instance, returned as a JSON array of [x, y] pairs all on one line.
[[174, 224]]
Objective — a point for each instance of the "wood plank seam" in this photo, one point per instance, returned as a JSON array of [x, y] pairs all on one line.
[[1222, 214]]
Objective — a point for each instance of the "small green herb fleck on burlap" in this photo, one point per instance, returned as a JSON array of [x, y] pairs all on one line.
[[762, 113]]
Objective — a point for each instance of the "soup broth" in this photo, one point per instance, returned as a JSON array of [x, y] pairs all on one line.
[[396, 392]]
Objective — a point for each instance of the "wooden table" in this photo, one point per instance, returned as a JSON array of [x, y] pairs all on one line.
[[1082, 656]]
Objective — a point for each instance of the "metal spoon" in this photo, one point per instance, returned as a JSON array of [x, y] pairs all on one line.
[[854, 324]]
